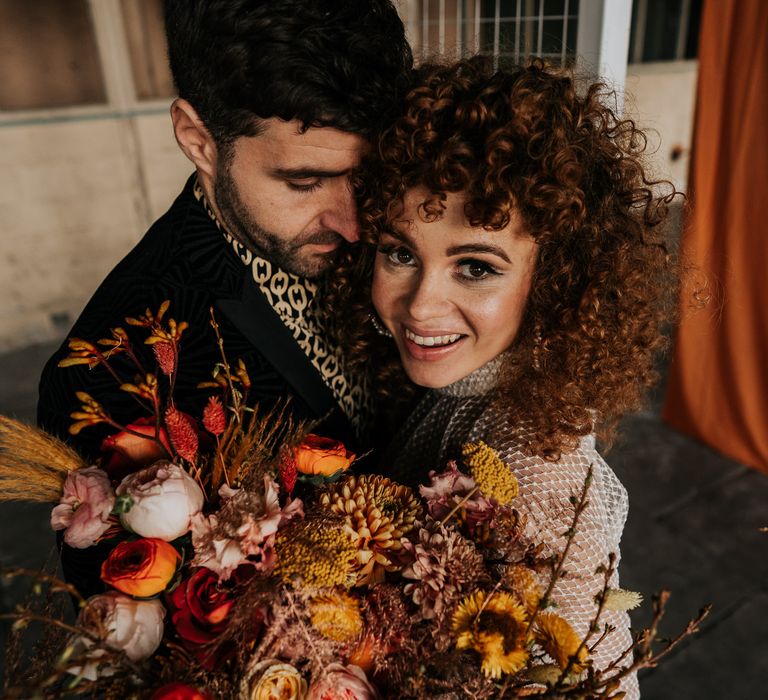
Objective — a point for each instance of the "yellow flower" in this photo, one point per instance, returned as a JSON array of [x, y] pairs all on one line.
[[272, 679], [560, 641], [318, 552], [380, 512], [493, 477], [495, 628], [336, 616], [622, 600], [523, 583]]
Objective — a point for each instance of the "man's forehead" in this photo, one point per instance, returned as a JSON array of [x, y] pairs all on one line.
[[287, 139]]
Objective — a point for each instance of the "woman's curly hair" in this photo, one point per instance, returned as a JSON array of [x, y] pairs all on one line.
[[526, 140]]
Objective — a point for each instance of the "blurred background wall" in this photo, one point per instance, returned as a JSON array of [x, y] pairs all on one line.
[[89, 159]]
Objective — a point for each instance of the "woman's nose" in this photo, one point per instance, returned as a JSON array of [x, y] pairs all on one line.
[[428, 298]]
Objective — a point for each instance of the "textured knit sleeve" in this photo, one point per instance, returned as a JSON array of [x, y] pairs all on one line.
[[545, 491]]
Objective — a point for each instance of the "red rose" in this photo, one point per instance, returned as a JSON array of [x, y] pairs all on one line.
[[125, 452], [200, 608], [180, 691]]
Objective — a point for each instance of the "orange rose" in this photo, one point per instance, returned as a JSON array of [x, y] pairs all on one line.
[[127, 451], [140, 568], [321, 456]]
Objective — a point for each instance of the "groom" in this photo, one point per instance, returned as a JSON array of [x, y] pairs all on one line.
[[277, 101]]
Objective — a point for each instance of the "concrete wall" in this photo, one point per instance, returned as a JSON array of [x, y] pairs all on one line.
[[75, 195], [76, 192], [661, 98]]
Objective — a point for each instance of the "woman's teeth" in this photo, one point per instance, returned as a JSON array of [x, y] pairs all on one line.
[[432, 340]]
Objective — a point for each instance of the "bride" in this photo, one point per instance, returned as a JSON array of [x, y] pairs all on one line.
[[516, 274]]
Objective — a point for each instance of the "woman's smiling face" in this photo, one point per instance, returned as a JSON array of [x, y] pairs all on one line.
[[452, 295]]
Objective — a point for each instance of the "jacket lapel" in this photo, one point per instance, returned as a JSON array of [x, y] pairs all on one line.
[[257, 321]]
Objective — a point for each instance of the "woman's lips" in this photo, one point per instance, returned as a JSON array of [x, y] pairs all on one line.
[[431, 346]]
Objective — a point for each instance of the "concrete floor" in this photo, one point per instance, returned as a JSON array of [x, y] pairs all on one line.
[[693, 528]]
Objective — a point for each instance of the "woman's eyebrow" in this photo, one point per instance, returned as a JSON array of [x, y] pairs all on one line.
[[400, 236], [478, 248]]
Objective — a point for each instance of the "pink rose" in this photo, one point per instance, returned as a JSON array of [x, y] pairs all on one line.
[[164, 498], [342, 683], [134, 627], [84, 507]]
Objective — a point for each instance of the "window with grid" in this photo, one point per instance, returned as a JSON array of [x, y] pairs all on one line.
[[510, 30], [664, 30]]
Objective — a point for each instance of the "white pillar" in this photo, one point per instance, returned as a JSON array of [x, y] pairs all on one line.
[[603, 42]]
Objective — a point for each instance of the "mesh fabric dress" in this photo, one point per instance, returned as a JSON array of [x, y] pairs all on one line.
[[446, 418]]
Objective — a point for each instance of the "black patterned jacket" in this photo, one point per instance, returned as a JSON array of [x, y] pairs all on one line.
[[185, 258]]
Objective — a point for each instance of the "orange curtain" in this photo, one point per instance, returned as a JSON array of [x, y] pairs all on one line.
[[718, 377]]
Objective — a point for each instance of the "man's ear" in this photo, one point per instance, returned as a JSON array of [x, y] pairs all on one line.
[[193, 138]]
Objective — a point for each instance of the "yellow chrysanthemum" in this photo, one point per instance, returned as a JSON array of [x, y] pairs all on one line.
[[560, 641], [495, 628], [336, 616], [380, 512], [493, 477], [622, 600], [523, 583], [316, 552]]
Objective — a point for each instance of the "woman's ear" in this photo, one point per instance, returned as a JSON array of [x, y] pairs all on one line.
[[193, 138]]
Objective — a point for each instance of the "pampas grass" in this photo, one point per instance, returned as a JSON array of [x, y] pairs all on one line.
[[33, 464]]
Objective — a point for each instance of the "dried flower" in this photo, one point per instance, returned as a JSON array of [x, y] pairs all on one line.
[[163, 499], [380, 512], [288, 470], [336, 615], [243, 529], [148, 319], [165, 354], [85, 506], [493, 625], [82, 353], [182, 432], [454, 492], [524, 585], [559, 640], [340, 682], [214, 420], [444, 565], [318, 553], [621, 600], [91, 413], [272, 679], [491, 474]]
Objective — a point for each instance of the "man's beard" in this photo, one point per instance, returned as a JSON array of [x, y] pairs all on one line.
[[286, 254]]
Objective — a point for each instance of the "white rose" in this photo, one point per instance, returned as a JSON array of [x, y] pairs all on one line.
[[134, 627], [164, 499]]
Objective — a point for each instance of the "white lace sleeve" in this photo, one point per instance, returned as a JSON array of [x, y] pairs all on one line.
[[545, 490]]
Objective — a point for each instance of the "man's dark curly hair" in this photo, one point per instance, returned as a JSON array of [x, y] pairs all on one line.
[[324, 62], [527, 140]]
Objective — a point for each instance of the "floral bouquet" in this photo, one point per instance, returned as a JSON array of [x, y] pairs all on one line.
[[245, 559]]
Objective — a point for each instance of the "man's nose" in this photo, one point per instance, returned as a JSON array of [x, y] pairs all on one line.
[[341, 214]]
